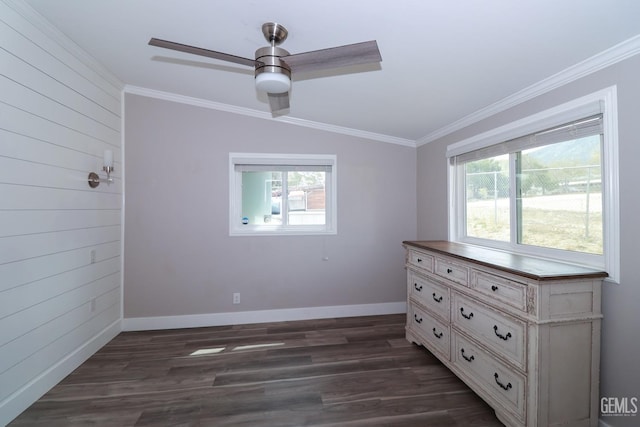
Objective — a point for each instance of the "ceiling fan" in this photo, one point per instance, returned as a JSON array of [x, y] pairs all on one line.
[[273, 65]]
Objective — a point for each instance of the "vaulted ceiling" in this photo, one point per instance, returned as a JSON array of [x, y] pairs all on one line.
[[442, 60]]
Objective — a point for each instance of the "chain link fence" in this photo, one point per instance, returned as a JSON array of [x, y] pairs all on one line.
[[558, 207]]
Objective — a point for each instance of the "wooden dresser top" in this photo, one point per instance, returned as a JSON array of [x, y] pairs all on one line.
[[521, 265]]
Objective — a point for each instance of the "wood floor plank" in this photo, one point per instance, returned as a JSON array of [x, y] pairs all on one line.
[[241, 365], [422, 410], [330, 372]]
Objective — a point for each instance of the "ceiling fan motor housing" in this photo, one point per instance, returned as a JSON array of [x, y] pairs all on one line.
[[274, 76]]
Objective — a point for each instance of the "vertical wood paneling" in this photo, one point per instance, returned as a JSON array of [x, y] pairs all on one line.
[[60, 263]]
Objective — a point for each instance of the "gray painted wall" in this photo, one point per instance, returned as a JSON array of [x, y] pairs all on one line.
[[620, 373], [179, 258]]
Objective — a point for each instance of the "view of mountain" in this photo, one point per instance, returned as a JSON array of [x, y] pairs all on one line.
[[579, 152]]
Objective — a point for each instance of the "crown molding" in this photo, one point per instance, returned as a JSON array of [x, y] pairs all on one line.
[[604, 59], [56, 36], [198, 102]]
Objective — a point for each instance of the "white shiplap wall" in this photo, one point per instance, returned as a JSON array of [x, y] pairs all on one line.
[[59, 111]]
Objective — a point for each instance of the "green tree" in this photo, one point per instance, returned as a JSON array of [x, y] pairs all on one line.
[[484, 177], [534, 174]]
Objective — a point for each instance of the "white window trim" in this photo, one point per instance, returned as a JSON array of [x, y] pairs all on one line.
[[581, 107], [235, 188]]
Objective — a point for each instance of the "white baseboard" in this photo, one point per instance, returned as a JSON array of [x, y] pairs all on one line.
[[15, 404], [260, 316]]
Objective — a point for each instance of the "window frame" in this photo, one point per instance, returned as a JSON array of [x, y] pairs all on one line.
[[328, 161], [605, 101]]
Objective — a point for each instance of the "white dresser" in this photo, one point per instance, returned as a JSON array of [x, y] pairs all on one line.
[[523, 333]]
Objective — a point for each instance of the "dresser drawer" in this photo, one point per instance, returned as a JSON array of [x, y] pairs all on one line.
[[429, 294], [434, 333], [500, 382], [500, 332], [420, 260], [451, 271], [500, 289]]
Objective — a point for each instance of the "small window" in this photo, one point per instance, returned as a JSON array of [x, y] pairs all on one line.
[[275, 194], [550, 192]]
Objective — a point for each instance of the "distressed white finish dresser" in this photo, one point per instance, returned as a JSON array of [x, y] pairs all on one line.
[[523, 333]]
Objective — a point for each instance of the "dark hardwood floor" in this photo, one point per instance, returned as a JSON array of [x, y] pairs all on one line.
[[334, 372]]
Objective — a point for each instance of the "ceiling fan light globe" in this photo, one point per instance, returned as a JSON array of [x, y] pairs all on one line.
[[273, 83]]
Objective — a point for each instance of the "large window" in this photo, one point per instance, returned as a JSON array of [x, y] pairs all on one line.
[[282, 194], [551, 192]]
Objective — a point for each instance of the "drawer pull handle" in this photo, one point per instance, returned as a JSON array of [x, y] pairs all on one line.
[[504, 387], [436, 334], [418, 288], [464, 315], [415, 317], [504, 337], [449, 271], [437, 299], [494, 288], [419, 259], [468, 359]]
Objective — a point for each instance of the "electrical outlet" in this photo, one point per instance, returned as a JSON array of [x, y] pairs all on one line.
[[236, 298], [93, 256]]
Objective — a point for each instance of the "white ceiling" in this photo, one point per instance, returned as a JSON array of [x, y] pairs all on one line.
[[442, 60]]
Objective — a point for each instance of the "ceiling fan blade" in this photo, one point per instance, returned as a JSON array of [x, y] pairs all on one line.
[[204, 52], [334, 57], [278, 101]]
